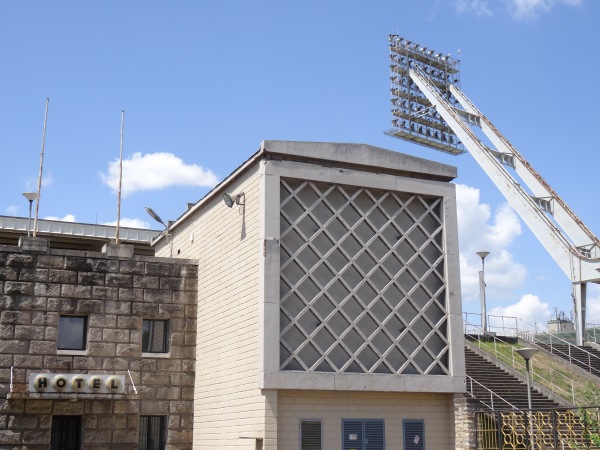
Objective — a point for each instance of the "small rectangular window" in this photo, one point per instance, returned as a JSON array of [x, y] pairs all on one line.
[[152, 432], [72, 332], [66, 433], [310, 435], [414, 434], [154, 336]]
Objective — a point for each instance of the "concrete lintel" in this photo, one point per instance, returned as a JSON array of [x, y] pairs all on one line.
[[121, 251], [34, 244]]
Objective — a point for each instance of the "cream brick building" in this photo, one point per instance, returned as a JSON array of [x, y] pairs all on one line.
[[329, 310]]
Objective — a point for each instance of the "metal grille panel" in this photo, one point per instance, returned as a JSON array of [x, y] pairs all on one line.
[[362, 281], [414, 434], [310, 435]]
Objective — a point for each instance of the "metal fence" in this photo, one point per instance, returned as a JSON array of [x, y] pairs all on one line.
[[560, 429]]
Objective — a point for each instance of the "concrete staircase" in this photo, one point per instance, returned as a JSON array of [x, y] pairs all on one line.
[[584, 357], [509, 390]]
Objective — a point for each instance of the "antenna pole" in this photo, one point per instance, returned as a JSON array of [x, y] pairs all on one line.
[[120, 177], [39, 189]]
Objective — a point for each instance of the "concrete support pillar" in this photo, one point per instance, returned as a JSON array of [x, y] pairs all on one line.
[[465, 423], [580, 293]]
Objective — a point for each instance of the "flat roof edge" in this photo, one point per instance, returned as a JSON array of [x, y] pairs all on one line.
[[361, 155]]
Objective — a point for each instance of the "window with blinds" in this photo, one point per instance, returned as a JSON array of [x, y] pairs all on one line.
[[414, 434], [310, 435]]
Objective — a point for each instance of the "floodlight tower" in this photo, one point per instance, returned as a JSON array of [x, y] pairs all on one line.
[[430, 109]]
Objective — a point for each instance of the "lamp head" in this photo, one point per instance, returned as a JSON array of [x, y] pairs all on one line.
[[31, 196], [527, 353], [230, 199], [483, 254], [155, 216]]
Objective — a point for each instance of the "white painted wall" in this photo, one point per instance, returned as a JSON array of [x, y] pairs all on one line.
[[331, 407], [228, 405]]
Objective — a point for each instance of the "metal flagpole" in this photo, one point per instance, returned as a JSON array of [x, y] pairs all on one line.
[[39, 189], [120, 177]]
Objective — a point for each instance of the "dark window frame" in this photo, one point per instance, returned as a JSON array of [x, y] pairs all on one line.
[[148, 342], [66, 432], [60, 342], [153, 432]]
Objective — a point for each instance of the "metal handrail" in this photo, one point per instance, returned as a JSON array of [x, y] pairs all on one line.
[[592, 326], [515, 363], [568, 355], [471, 380], [531, 333]]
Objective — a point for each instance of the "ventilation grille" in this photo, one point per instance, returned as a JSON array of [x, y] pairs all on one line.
[[310, 435], [414, 434], [362, 281]]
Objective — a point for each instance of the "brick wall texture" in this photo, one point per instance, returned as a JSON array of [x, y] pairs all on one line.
[[116, 293]]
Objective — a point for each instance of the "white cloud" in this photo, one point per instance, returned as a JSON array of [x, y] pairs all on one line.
[[530, 310], [519, 9], [478, 230], [156, 171], [478, 7], [593, 304], [67, 218], [130, 223], [530, 9], [12, 210], [32, 182]]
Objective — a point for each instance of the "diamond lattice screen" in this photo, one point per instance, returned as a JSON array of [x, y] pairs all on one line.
[[362, 281]]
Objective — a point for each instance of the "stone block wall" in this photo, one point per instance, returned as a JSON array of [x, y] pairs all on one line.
[[116, 291]]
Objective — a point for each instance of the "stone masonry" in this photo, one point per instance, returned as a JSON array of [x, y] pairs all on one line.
[[115, 291]]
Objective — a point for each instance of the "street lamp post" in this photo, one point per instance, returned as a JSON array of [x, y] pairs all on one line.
[[527, 353], [156, 217], [31, 196], [484, 326]]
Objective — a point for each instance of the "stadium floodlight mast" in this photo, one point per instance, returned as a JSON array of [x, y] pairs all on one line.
[[430, 109]]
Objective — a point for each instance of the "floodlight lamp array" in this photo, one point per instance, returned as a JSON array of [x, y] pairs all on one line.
[[414, 117]]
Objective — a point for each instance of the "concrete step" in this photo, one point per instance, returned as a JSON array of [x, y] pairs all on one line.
[[502, 384]]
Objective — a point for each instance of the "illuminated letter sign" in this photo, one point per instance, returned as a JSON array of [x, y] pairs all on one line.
[[59, 382], [40, 382], [76, 383], [95, 383], [113, 384]]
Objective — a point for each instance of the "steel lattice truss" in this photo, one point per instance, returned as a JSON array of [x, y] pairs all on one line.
[[431, 88], [362, 281]]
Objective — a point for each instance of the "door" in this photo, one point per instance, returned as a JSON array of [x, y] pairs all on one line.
[[363, 434]]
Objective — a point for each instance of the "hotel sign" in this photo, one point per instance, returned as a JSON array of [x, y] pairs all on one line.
[[76, 383]]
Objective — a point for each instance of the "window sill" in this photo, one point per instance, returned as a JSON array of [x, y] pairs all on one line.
[[156, 355], [72, 352]]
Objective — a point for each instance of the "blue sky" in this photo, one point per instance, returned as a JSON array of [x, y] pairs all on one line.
[[202, 83]]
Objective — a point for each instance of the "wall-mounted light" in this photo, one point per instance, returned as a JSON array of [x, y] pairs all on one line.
[[231, 199]]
